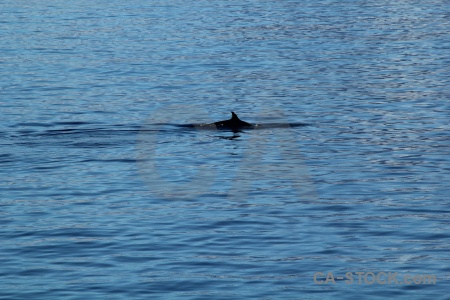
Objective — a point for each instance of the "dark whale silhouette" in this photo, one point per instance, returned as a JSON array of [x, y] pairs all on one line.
[[234, 123]]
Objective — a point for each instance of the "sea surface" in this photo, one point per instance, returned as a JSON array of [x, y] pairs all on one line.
[[105, 193]]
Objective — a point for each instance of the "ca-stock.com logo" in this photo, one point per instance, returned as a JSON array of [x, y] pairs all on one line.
[[180, 158]]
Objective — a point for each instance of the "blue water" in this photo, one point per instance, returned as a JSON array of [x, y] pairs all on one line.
[[103, 196]]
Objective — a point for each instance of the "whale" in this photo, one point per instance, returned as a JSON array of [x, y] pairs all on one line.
[[234, 123]]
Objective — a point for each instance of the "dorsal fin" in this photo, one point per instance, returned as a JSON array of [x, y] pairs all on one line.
[[234, 123]]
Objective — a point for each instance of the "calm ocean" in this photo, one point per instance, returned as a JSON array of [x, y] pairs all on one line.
[[104, 196]]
